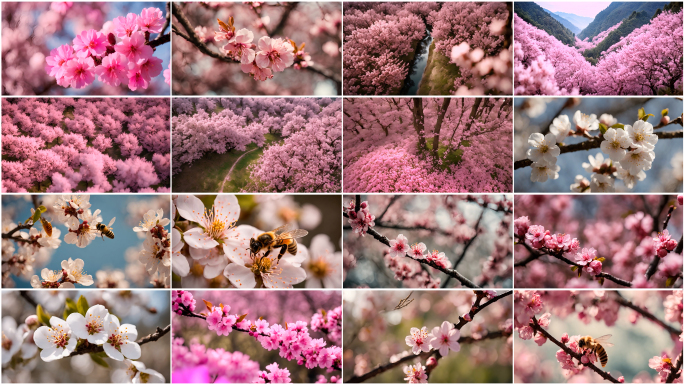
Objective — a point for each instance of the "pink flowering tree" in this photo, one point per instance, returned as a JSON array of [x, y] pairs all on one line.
[[258, 145], [466, 233], [48, 241], [284, 48], [470, 47], [593, 242], [440, 337], [95, 49], [620, 142], [645, 62], [213, 242], [89, 145], [427, 145], [94, 336], [558, 322], [277, 337]]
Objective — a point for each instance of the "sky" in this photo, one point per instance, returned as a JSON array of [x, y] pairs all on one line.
[[586, 9]]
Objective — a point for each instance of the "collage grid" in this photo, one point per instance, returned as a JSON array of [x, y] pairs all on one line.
[[524, 287]]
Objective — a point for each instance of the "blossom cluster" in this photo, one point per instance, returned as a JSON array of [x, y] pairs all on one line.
[[156, 252], [360, 220], [545, 66], [443, 338], [583, 45], [98, 145], [222, 246], [118, 54], [629, 150], [330, 323]]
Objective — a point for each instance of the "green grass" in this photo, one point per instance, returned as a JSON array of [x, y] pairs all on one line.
[[453, 158], [207, 174], [439, 75]]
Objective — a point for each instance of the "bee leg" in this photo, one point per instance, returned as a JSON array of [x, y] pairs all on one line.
[[283, 249]]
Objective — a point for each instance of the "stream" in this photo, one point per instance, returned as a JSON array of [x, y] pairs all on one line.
[[418, 66]]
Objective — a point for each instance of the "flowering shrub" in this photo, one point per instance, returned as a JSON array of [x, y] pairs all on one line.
[[63, 334], [645, 62], [308, 159], [440, 344], [566, 318], [427, 145], [627, 148], [89, 145], [589, 242], [215, 236], [253, 43], [26, 249], [381, 39], [293, 351], [481, 223], [85, 48]]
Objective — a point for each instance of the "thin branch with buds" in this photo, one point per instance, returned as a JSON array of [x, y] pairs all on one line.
[[92, 348], [645, 313], [675, 371]]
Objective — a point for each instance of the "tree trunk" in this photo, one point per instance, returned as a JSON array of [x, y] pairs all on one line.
[[473, 116], [438, 126], [419, 123]]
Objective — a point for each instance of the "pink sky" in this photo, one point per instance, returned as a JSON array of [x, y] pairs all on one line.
[[588, 9]]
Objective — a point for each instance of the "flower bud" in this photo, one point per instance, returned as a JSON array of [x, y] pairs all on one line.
[[665, 120], [680, 199], [431, 362], [31, 320], [111, 38], [467, 317], [364, 205], [565, 338]]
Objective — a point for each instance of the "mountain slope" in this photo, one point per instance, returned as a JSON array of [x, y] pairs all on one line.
[[537, 16], [616, 12], [634, 21], [566, 23], [580, 22]]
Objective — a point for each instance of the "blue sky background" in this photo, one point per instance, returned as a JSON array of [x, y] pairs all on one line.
[[115, 10], [571, 163], [99, 254]]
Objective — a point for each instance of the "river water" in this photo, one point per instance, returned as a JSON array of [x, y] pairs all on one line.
[[418, 67]]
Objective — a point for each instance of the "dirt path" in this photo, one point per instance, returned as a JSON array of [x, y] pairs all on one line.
[[227, 178]]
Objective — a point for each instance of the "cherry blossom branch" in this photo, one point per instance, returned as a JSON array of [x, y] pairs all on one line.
[[465, 247], [674, 372], [595, 142], [534, 255], [160, 40], [475, 309], [166, 22], [392, 201], [537, 328], [451, 272], [28, 298], [14, 230], [653, 265], [193, 39], [92, 348], [645, 313]]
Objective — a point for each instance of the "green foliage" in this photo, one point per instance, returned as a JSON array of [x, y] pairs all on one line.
[[82, 305], [69, 308], [451, 158], [616, 12], [537, 16], [36, 215], [43, 316], [634, 21], [97, 359]]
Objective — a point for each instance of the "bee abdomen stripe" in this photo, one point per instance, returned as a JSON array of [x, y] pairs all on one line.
[[292, 248], [602, 355]]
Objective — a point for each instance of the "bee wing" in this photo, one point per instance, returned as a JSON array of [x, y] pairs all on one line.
[[111, 222], [293, 234], [603, 340]]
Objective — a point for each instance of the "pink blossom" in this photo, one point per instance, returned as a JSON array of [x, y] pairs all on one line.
[[126, 26], [276, 54], [585, 256], [134, 47], [417, 251], [521, 224], [167, 75], [418, 340], [594, 267], [150, 67], [445, 338], [240, 47], [136, 79], [114, 70], [56, 62], [79, 72], [540, 339], [90, 43], [258, 73], [61, 7], [151, 20], [399, 246], [544, 320], [565, 338], [535, 235]]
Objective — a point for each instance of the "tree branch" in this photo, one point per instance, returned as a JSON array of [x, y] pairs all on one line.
[[674, 372], [535, 325], [92, 348], [645, 313], [14, 230], [596, 143]]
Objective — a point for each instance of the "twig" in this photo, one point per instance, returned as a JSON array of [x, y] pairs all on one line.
[[160, 40], [535, 325], [166, 22], [465, 248], [14, 230], [392, 201], [28, 298], [674, 372], [645, 313], [596, 143], [92, 348]]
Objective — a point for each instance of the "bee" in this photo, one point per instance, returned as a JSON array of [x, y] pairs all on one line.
[[281, 237], [106, 230], [46, 226], [596, 345]]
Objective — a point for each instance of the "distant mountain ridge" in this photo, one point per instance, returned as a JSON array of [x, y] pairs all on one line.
[[616, 12], [580, 22], [634, 21], [535, 15], [566, 23]]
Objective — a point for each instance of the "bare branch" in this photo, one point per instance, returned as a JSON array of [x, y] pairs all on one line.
[[92, 348]]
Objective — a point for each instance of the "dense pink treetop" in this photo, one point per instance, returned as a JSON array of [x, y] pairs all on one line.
[[94, 145], [308, 160], [388, 145], [645, 62], [585, 44]]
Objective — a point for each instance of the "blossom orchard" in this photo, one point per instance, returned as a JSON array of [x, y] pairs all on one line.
[[292, 340], [627, 151], [428, 145], [645, 62], [25, 246], [119, 54], [221, 245], [407, 261], [534, 311], [307, 160], [93, 145], [636, 247], [84, 329], [473, 36]]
